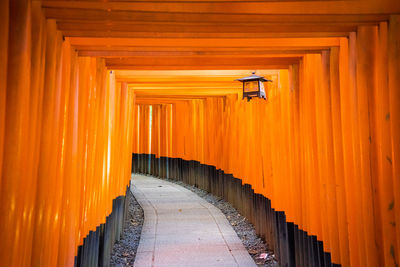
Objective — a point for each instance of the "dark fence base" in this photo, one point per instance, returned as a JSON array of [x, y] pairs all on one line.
[[291, 245], [97, 245]]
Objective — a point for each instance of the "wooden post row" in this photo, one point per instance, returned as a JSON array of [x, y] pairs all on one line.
[[323, 148], [65, 141]]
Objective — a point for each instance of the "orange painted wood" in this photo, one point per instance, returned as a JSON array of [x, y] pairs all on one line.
[[386, 233], [48, 201], [366, 42], [208, 42], [314, 124], [326, 168], [337, 139], [130, 29], [394, 96], [3, 70], [17, 200], [326, 149], [65, 122], [70, 196], [242, 7]]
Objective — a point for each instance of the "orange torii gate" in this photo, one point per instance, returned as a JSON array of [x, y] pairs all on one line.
[[324, 148]]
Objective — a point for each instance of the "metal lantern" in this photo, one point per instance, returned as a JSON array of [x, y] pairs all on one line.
[[253, 86]]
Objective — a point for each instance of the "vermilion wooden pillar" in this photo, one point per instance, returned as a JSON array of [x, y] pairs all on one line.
[[337, 139], [48, 201], [347, 75], [16, 199], [394, 117], [383, 179], [3, 73], [366, 45], [70, 195], [326, 157]]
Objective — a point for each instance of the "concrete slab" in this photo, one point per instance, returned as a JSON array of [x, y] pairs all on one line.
[[182, 229]]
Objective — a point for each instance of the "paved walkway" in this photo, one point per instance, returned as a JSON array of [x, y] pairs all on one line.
[[182, 229]]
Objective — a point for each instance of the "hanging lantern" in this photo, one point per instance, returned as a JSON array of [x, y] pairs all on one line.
[[253, 86]]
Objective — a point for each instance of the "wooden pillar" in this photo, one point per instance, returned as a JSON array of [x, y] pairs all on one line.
[[154, 129], [4, 20], [70, 195], [16, 199], [385, 235], [366, 42], [394, 116], [158, 123], [326, 158], [35, 102], [334, 69], [294, 143], [48, 201], [347, 74]]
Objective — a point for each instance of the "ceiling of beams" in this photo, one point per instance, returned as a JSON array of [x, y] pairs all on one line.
[[141, 37], [173, 84]]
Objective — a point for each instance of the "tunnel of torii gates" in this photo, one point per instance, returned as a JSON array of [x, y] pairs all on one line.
[[87, 84]]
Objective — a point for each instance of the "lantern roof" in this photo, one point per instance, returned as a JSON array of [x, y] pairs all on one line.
[[252, 78]]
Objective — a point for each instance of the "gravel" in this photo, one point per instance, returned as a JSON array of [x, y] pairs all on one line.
[[256, 247], [124, 251]]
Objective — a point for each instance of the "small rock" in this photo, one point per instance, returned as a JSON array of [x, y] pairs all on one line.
[[252, 251]]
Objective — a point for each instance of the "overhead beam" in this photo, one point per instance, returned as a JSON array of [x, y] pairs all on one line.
[[197, 75], [160, 34], [207, 42], [65, 14], [191, 54], [196, 91], [205, 30], [199, 67], [188, 87], [141, 27], [98, 51], [234, 7]]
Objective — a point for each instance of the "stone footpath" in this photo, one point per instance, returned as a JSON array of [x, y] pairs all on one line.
[[182, 229]]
